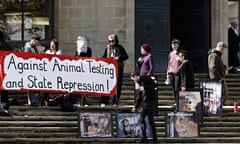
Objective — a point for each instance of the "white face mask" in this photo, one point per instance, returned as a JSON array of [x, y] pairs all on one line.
[[82, 46]]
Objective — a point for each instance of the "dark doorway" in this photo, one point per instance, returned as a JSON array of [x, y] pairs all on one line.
[[152, 23], [190, 22], [158, 21]]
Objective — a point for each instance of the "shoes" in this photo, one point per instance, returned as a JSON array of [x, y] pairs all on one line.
[[34, 104], [175, 108], [114, 105], [142, 140], [102, 105], [46, 103], [237, 69], [79, 105], [154, 141], [76, 105], [4, 112]]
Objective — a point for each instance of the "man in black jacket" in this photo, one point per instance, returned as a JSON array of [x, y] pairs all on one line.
[[186, 71], [233, 45], [147, 103], [4, 94]]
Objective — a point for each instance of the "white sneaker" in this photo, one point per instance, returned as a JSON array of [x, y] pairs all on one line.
[[77, 105], [85, 105], [114, 105], [102, 105]]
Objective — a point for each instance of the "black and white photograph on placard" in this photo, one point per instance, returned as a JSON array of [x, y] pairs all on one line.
[[128, 125], [181, 124], [212, 97], [95, 124]]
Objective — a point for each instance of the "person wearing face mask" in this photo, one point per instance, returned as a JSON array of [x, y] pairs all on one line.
[[82, 50], [115, 51]]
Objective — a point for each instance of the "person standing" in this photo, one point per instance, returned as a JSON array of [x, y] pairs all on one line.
[[186, 70], [172, 68], [233, 44], [146, 91], [216, 68], [54, 49], [145, 62], [115, 51], [147, 104], [145, 66], [31, 47], [4, 94], [83, 50]]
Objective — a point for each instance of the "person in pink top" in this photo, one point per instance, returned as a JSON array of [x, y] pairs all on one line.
[[172, 69]]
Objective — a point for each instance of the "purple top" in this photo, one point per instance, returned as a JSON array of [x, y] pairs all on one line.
[[146, 65]]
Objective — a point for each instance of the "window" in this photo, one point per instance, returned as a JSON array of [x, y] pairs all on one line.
[[19, 19]]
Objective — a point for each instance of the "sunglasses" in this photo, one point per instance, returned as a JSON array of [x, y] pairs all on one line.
[[111, 41]]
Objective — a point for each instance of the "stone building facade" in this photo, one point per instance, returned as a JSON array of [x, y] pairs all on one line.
[[98, 18]]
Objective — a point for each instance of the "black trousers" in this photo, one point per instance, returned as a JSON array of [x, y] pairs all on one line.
[[149, 109], [4, 99], [175, 86], [116, 97]]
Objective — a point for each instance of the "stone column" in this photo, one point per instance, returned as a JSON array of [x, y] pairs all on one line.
[[219, 25]]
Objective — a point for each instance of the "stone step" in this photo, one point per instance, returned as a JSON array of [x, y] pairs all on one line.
[[37, 125], [50, 125], [117, 140]]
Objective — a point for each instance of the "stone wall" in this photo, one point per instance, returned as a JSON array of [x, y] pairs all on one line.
[[96, 19]]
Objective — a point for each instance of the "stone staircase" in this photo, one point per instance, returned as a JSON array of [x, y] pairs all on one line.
[[46, 125]]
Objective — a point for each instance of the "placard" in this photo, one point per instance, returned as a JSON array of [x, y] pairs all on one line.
[[95, 124], [57, 73], [190, 101], [181, 124], [212, 97], [129, 125]]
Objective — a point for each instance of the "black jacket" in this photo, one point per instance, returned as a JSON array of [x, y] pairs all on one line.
[[87, 54], [4, 45], [150, 92], [187, 74], [120, 53]]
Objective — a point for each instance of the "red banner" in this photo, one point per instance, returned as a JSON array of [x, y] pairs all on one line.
[[57, 73]]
